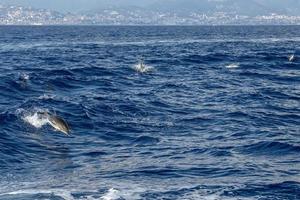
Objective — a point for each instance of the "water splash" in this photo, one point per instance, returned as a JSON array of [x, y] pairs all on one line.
[[232, 66], [35, 118], [142, 68], [24, 77], [64, 194], [46, 96], [112, 194]]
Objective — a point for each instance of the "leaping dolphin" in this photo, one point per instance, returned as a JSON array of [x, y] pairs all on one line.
[[57, 123], [142, 65], [292, 58]]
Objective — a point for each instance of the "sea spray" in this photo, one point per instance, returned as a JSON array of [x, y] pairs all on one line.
[[34, 117]]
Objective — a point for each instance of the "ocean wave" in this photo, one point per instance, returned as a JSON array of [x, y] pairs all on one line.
[[279, 190], [40, 194], [46, 45], [220, 109], [271, 148], [124, 194], [145, 141]]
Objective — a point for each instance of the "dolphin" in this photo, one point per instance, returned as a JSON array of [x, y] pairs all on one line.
[[57, 123], [292, 58], [142, 65]]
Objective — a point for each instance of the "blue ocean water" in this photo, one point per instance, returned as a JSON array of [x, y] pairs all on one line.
[[216, 116]]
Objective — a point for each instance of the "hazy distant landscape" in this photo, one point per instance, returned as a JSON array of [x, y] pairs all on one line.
[[167, 12]]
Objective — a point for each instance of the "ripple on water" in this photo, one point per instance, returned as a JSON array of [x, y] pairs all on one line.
[[270, 148]]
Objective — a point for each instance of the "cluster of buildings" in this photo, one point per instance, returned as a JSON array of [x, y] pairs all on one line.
[[16, 15], [13, 15]]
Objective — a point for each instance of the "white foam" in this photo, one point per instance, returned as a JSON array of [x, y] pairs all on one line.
[[232, 66], [46, 96], [142, 68], [123, 193], [198, 195], [112, 194], [60, 193], [24, 77], [36, 119]]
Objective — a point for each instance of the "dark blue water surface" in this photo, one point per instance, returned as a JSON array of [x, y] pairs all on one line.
[[216, 118]]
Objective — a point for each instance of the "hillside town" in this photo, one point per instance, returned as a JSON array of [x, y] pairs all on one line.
[[17, 15]]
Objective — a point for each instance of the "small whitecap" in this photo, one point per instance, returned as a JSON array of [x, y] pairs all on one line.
[[64, 194], [112, 194], [198, 195], [232, 66], [46, 96], [142, 68], [24, 77]]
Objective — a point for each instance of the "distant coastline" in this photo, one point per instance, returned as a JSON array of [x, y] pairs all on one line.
[[148, 25], [18, 15]]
